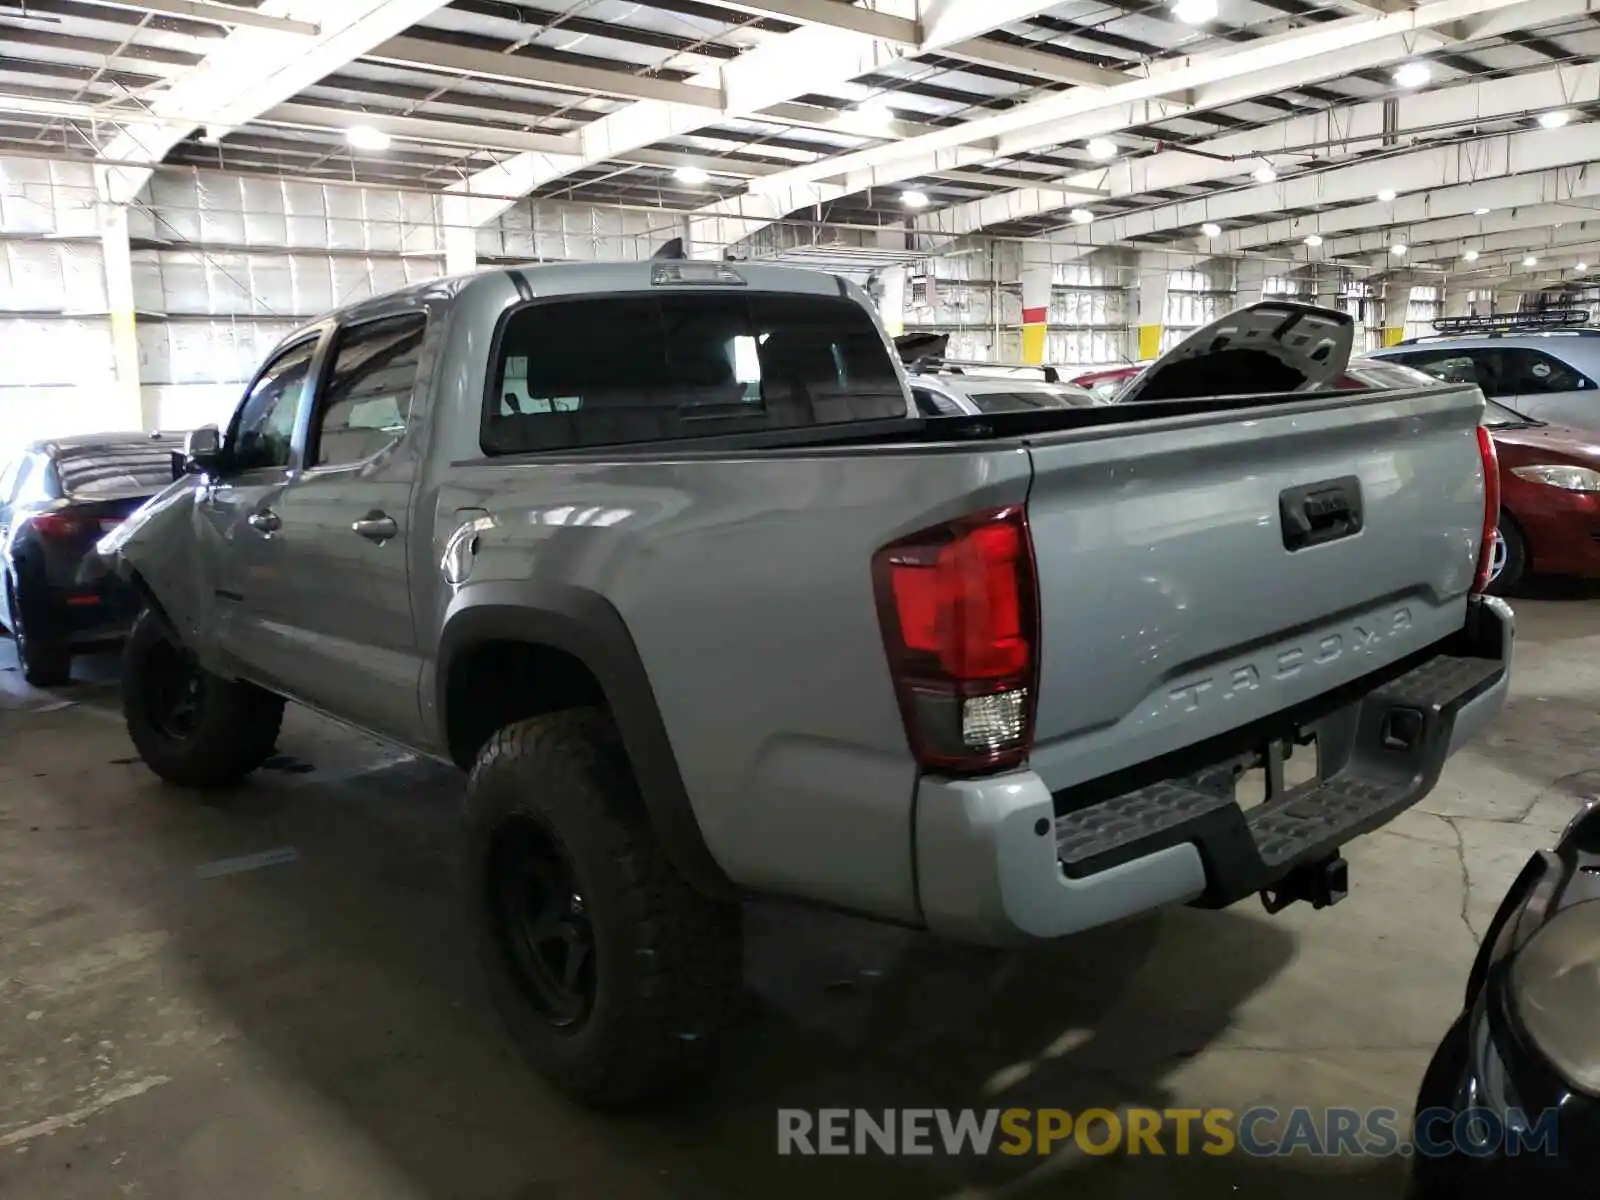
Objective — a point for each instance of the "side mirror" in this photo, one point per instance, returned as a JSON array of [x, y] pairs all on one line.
[[202, 450]]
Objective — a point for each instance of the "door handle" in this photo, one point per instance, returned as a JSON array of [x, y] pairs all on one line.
[[376, 526], [265, 521]]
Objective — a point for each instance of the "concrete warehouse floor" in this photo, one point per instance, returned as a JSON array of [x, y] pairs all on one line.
[[314, 1026]]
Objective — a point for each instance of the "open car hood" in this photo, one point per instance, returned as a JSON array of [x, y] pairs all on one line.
[[916, 346], [1274, 346]]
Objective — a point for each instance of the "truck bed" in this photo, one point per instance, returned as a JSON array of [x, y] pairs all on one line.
[[1170, 608]]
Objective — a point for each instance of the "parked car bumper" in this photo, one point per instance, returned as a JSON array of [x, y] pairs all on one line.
[[83, 615], [1563, 532], [1001, 860], [1498, 1113]]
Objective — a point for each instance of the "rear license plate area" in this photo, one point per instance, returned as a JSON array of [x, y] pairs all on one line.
[[1282, 766]]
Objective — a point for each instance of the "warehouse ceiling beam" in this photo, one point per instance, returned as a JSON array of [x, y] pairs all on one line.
[[1259, 66], [220, 14], [818, 56], [951, 27], [1171, 89], [1342, 130], [250, 71], [1438, 181], [1507, 228]]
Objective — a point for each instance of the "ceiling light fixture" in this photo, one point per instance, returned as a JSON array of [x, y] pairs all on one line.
[[875, 113], [1582, 266], [1387, 196], [1102, 148], [1081, 216], [1313, 239], [1412, 74], [914, 199], [1211, 229], [1556, 119], [1531, 261], [1264, 173], [1471, 256], [1398, 249], [1480, 212], [692, 176], [1195, 12], [365, 137]]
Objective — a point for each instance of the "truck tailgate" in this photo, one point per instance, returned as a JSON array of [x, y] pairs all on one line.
[[1173, 607]]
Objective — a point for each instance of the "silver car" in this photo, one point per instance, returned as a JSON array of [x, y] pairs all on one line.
[[988, 390], [1545, 364]]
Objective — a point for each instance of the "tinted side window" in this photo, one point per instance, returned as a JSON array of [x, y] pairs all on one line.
[[1532, 373], [262, 431], [1481, 367], [365, 403], [624, 369], [932, 404], [1005, 402]]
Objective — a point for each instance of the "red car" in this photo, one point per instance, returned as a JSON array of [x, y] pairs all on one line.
[[1549, 497], [1549, 486], [1108, 383]]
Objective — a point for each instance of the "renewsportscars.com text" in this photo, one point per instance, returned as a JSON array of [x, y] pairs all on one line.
[[1260, 1131]]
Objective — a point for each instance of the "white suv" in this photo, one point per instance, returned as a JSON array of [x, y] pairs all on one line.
[[1545, 364]]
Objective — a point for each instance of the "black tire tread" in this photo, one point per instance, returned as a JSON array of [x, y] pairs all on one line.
[[663, 1003], [43, 663], [239, 723]]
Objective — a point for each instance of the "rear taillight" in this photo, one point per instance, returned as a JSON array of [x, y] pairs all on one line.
[[59, 525], [959, 612], [1491, 508]]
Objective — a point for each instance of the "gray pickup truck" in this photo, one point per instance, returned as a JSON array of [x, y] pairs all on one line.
[[665, 556]]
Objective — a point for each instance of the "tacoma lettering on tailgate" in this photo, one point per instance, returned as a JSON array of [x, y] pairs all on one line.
[[1289, 661]]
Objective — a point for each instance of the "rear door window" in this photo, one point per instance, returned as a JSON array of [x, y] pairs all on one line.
[[367, 399], [117, 469], [932, 404], [617, 370], [1535, 373], [1463, 365], [1019, 401]]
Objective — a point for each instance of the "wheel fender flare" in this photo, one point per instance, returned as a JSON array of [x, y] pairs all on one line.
[[585, 625]]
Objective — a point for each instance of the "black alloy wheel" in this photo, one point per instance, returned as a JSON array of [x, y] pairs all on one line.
[[542, 925], [175, 690]]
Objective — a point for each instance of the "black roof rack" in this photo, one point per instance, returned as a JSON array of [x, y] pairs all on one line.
[[961, 366], [1536, 318]]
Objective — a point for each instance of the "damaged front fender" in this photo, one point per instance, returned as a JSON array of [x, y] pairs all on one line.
[[162, 550]]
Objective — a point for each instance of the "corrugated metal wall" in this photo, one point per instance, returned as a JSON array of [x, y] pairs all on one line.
[[55, 334], [223, 267]]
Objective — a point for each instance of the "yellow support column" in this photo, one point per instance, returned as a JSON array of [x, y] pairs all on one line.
[[1036, 278]]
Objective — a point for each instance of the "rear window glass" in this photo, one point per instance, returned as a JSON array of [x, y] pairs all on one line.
[[115, 469], [1007, 402], [623, 369]]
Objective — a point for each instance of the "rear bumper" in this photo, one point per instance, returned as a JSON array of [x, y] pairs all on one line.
[[82, 616], [1001, 860]]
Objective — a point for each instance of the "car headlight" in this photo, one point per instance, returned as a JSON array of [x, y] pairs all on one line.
[[1571, 479], [1555, 984]]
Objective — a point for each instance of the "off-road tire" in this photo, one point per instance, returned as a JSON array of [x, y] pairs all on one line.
[[235, 725], [667, 961], [44, 662]]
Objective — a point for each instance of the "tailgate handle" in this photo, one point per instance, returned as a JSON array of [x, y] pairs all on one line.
[[1320, 512]]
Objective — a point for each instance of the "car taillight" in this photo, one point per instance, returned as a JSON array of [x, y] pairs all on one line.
[[1491, 508], [58, 525], [959, 612]]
